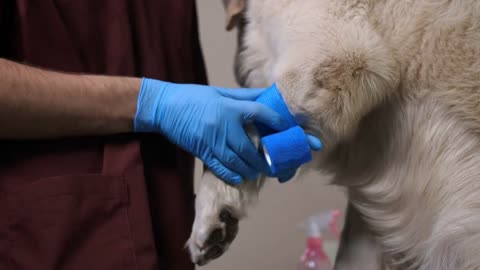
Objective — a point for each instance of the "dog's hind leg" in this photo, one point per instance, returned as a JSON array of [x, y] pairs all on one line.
[[357, 249]]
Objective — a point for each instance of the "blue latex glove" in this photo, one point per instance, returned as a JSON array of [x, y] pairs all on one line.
[[208, 122]]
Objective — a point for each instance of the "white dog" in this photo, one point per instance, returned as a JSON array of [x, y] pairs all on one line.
[[392, 87]]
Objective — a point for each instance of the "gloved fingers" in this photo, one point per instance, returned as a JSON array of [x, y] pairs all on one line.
[[232, 161], [286, 175], [241, 93], [241, 144], [314, 142], [257, 112], [222, 172]]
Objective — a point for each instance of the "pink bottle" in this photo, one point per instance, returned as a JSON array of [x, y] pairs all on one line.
[[314, 257]]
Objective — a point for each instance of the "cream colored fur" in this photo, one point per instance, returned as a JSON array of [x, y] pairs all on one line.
[[392, 87]]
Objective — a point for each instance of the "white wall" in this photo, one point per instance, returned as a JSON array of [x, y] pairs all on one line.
[[269, 238]]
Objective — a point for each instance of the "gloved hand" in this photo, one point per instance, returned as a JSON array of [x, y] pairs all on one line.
[[208, 122]]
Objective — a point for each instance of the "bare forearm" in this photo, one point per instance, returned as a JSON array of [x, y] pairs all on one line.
[[36, 103]]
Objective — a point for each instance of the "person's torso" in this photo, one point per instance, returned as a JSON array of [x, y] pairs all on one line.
[[150, 38]]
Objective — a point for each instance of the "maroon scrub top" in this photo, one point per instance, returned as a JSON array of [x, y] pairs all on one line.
[[122, 202]]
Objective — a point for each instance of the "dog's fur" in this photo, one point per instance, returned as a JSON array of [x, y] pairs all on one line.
[[392, 87]]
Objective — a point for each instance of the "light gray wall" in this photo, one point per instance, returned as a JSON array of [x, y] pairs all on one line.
[[269, 238]]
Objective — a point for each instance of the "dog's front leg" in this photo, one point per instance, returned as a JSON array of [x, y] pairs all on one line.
[[218, 208], [334, 83]]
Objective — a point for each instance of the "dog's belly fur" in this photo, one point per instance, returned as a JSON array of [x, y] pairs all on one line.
[[412, 173], [393, 89], [413, 170]]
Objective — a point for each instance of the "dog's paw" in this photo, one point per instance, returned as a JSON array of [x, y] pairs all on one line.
[[211, 236], [218, 209]]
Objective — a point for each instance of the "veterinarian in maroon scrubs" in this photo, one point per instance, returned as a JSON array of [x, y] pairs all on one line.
[[78, 188]]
